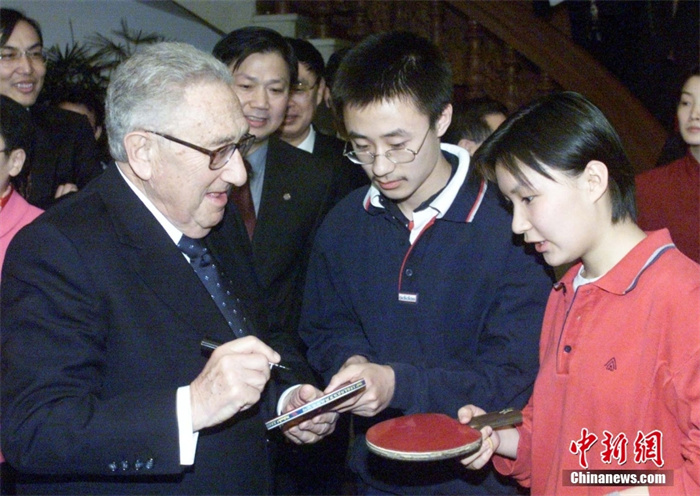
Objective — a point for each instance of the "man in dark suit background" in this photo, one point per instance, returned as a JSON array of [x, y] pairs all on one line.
[[289, 188], [298, 130], [105, 389], [317, 469]]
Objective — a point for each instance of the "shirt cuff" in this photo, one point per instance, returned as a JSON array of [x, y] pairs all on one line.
[[283, 398], [188, 438]]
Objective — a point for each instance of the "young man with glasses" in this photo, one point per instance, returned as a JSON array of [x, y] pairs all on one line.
[[417, 285], [65, 153], [297, 128]]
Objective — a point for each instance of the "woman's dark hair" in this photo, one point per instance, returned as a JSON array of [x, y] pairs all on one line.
[[692, 71], [18, 133], [562, 131], [9, 19], [675, 146]]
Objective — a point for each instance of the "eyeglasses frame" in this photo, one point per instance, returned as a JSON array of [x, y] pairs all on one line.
[[304, 89], [247, 140], [23, 53], [374, 156]]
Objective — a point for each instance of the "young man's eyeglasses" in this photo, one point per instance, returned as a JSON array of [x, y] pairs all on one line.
[[402, 156], [10, 55], [219, 157]]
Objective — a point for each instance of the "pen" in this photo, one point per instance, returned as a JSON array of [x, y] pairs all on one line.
[[210, 345]]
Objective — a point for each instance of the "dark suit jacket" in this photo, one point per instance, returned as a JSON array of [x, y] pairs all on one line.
[[64, 151], [101, 322], [295, 197], [347, 176]]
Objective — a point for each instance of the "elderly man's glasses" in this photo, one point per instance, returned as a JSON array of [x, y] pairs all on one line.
[[219, 157], [400, 156], [10, 55]]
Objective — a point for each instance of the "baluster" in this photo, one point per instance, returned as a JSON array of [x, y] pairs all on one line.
[[436, 22], [474, 76], [546, 84], [282, 7], [404, 14], [511, 70], [378, 17], [323, 27], [359, 28]]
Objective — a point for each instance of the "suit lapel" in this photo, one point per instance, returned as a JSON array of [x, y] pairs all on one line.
[[273, 194], [155, 258]]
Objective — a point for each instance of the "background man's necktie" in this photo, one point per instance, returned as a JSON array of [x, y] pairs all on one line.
[[216, 282], [243, 199]]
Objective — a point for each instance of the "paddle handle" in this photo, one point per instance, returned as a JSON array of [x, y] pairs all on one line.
[[509, 416]]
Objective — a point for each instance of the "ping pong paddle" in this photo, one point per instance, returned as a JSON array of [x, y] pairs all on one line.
[[433, 436]]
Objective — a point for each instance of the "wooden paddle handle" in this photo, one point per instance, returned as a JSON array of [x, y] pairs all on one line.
[[509, 416]]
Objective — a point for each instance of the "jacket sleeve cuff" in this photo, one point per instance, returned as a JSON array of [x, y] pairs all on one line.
[[403, 398]]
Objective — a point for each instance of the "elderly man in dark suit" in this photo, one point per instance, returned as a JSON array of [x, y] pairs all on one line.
[[104, 303]]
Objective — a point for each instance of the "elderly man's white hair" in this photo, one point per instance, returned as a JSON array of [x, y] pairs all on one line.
[[146, 89]]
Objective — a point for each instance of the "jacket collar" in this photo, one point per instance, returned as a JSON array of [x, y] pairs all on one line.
[[447, 205], [153, 255]]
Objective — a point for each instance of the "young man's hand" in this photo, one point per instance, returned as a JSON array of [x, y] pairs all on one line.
[[379, 390], [312, 429]]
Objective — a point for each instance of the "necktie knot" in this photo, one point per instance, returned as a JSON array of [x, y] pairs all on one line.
[[195, 250]]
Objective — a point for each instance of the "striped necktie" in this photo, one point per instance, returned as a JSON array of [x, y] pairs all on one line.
[[216, 282]]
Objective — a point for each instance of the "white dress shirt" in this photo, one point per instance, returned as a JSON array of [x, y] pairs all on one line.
[[188, 438]]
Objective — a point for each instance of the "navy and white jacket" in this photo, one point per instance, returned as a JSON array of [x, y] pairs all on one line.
[[454, 305]]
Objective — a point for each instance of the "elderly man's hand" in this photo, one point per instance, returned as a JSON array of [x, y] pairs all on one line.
[[232, 381], [314, 428]]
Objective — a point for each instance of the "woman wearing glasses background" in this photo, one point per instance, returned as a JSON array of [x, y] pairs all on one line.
[[65, 154]]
